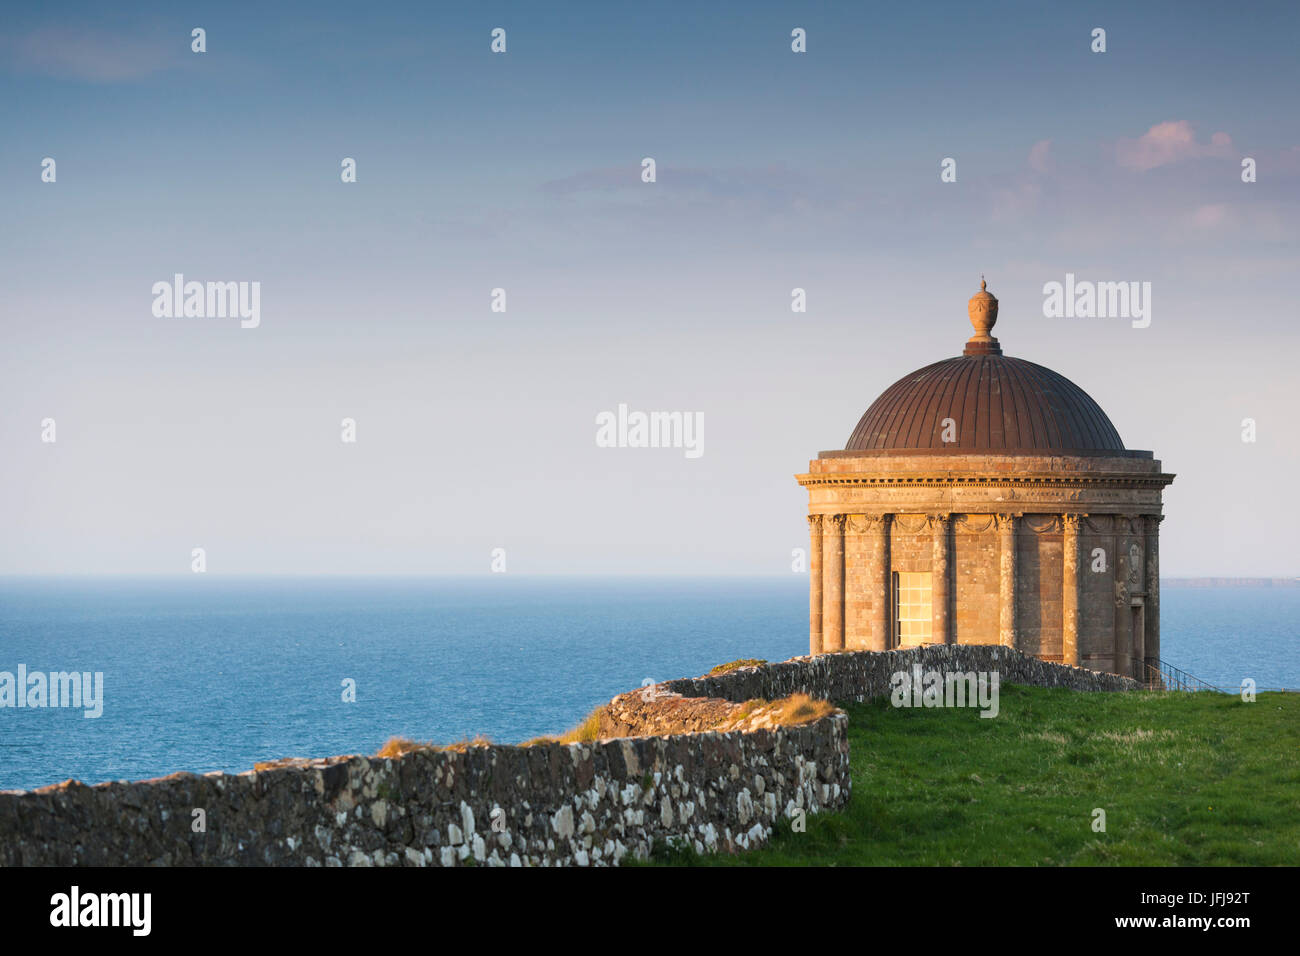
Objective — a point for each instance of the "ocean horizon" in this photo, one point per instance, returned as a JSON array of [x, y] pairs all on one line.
[[217, 674]]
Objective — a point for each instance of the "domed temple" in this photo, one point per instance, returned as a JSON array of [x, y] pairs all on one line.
[[987, 500]]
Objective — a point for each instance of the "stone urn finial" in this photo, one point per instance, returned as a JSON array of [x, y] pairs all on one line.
[[983, 311]]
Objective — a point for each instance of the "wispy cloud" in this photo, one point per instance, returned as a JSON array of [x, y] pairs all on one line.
[[1170, 142], [89, 54], [1022, 194], [768, 182], [1256, 221], [1040, 156]]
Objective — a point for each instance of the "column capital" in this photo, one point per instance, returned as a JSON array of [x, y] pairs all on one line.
[[939, 518], [1007, 521], [1071, 521], [815, 522], [833, 523]]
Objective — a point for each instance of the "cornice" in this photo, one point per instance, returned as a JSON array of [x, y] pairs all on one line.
[[979, 481]]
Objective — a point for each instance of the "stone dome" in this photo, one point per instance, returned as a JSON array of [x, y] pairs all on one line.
[[997, 404]]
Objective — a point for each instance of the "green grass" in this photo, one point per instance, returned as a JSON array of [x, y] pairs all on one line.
[[1185, 779]]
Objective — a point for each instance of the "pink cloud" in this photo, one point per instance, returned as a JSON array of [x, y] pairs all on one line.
[[1239, 219], [98, 56], [1211, 216], [1015, 202], [1169, 142], [1039, 155]]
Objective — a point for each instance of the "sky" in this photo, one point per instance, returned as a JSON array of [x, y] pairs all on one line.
[[522, 171]]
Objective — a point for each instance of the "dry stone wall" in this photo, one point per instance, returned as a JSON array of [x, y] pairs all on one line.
[[547, 804], [863, 675], [554, 804]]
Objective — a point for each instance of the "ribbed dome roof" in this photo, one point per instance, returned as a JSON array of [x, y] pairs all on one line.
[[998, 404]]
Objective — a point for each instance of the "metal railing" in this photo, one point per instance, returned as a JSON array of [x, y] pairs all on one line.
[[1166, 676]]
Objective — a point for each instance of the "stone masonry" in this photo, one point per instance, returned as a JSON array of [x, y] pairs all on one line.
[[583, 804], [985, 499]]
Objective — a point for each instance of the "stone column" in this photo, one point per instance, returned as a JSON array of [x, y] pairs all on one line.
[[1137, 609], [1123, 609], [833, 583], [814, 584], [940, 633], [881, 618], [1070, 590], [857, 582], [1153, 590], [1007, 579]]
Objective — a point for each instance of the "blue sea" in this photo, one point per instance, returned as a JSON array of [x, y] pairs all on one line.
[[213, 674]]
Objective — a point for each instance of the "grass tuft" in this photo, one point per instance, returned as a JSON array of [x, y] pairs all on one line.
[[735, 665], [397, 746], [802, 709], [585, 733]]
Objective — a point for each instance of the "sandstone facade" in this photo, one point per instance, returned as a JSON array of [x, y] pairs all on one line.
[[1055, 556]]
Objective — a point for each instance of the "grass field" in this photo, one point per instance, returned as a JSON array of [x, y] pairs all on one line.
[[1186, 779]]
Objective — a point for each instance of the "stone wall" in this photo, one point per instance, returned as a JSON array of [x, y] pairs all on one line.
[[556, 804], [862, 675], [552, 803]]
